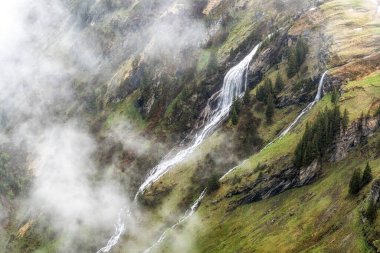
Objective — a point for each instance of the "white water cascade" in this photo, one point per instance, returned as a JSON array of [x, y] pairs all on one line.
[[234, 85], [119, 230], [290, 127], [308, 107], [187, 215]]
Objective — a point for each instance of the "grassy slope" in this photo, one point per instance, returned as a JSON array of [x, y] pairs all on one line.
[[317, 218]]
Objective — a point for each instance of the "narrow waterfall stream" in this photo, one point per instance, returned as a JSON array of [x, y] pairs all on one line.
[[187, 215], [234, 86], [295, 121]]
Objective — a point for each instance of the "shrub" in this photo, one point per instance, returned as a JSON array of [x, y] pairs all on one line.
[[213, 183]]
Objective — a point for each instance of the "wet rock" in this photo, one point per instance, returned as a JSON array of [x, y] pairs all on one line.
[[375, 192], [356, 134], [288, 178]]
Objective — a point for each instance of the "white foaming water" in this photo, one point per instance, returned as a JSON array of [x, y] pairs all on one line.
[[119, 230], [187, 215], [234, 86], [290, 127]]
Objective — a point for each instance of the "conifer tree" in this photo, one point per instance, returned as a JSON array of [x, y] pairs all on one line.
[[270, 110], [234, 117], [345, 120], [212, 65], [355, 183], [235, 110], [247, 98], [292, 64], [334, 97], [279, 84], [367, 175]]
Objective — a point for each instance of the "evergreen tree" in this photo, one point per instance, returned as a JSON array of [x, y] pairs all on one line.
[[234, 117], [270, 110], [247, 98], [301, 51], [355, 183], [367, 175], [260, 93], [246, 133], [371, 211], [279, 84], [334, 97], [318, 137], [213, 183], [297, 57], [345, 120], [212, 65], [292, 64], [265, 91]]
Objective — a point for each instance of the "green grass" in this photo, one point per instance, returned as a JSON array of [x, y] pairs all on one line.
[[362, 96], [203, 60], [126, 110], [315, 218]]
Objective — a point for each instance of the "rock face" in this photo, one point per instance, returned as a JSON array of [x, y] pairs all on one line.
[[271, 185], [375, 192], [356, 133], [293, 177]]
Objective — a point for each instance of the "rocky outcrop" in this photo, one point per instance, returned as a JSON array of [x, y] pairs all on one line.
[[273, 184], [375, 192], [292, 177], [356, 133]]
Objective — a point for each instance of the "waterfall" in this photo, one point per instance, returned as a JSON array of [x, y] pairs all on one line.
[[187, 215], [119, 230], [290, 127], [234, 86], [308, 107]]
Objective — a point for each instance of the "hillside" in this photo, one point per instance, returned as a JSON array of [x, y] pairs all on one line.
[[191, 126]]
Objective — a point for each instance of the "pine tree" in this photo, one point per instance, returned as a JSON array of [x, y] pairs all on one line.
[[260, 93], [270, 110], [367, 175], [247, 98], [279, 84], [371, 211], [212, 65], [345, 120], [268, 90], [334, 97], [234, 117], [355, 183], [292, 64]]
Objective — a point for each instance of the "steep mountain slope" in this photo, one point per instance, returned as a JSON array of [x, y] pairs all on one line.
[[264, 167]]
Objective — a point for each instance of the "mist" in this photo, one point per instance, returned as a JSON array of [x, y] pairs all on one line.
[[46, 47]]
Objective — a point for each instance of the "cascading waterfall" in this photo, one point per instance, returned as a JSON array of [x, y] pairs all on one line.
[[119, 230], [290, 127], [308, 107], [234, 86], [187, 215]]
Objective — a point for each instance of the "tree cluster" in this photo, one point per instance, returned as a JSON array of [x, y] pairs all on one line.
[[266, 93], [318, 137], [297, 56], [246, 135], [358, 181]]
